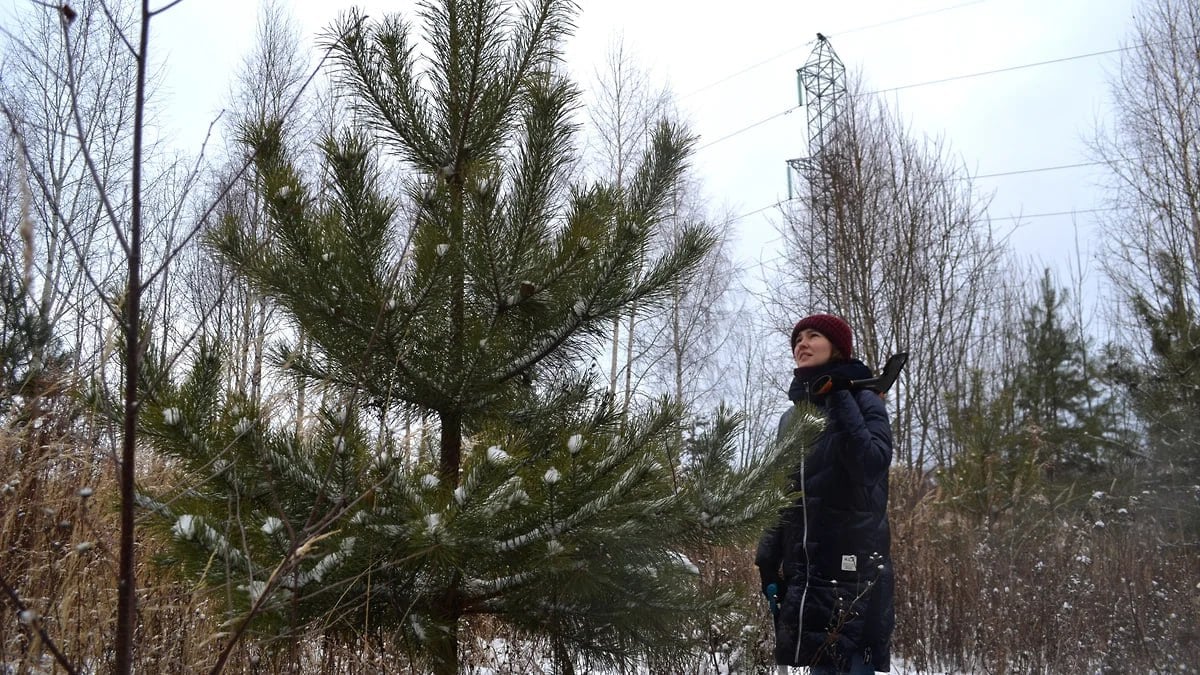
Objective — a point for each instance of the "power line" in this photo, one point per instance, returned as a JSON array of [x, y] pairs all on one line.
[[788, 51], [747, 214], [748, 128], [1024, 216], [1076, 212], [1000, 70], [906, 18], [1018, 172], [761, 263], [745, 70], [926, 83], [996, 174]]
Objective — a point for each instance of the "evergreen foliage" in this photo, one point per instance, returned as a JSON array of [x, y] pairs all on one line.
[[1061, 407], [995, 468], [1051, 420], [467, 295], [1164, 389], [1168, 395], [27, 346]]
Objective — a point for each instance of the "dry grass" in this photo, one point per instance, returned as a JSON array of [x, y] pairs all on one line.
[[1046, 591], [58, 553], [1098, 587]]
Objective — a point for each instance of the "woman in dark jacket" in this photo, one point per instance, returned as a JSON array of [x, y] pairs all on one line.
[[826, 567]]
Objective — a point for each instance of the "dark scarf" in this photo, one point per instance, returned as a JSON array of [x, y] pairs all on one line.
[[852, 369]]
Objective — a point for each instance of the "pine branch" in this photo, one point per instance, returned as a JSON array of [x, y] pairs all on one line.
[[380, 65]]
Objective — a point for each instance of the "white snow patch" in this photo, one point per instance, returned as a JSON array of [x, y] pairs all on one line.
[[551, 476], [256, 589], [430, 481], [443, 249], [184, 527], [172, 416], [496, 455], [685, 562], [460, 494], [433, 523], [324, 565], [271, 525], [575, 444]]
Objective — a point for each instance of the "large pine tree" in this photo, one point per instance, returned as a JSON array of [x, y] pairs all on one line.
[[467, 293]]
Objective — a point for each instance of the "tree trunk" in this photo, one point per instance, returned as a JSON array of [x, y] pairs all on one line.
[[562, 658], [127, 581]]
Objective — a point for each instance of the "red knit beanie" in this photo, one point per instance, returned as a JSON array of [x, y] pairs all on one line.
[[833, 328]]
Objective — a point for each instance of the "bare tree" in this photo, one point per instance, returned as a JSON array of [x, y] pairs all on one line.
[[1152, 257], [677, 346], [752, 379], [672, 348], [105, 226], [73, 269], [271, 84], [622, 117], [895, 239], [1153, 159]]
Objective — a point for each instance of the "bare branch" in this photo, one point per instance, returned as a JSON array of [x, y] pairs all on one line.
[[36, 624]]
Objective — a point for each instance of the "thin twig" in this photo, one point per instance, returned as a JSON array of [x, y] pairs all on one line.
[[89, 161], [51, 202], [249, 161], [36, 625], [164, 8]]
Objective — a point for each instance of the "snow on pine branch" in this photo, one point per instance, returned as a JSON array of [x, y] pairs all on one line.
[[193, 528], [589, 510]]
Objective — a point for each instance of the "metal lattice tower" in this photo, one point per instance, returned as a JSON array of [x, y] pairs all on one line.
[[822, 89]]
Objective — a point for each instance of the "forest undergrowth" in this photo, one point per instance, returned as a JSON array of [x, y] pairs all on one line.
[[1095, 584]]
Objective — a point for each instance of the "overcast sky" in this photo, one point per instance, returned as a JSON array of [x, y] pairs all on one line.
[[733, 66]]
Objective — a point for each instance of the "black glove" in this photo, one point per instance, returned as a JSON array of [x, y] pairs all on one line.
[[828, 383]]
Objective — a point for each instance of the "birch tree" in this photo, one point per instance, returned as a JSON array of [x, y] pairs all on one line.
[[1152, 257], [895, 239]]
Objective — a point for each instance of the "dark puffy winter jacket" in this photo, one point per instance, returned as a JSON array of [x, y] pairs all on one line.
[[831, 549]]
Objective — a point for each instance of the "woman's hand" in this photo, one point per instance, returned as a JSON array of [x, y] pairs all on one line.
[[827, 383]]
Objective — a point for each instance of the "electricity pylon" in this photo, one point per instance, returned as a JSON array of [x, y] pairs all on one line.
[[821, 84]]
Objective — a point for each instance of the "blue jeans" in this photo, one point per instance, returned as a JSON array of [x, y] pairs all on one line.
[[857, 667]]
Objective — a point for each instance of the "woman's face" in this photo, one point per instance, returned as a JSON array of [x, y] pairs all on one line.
[[812, 349]]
